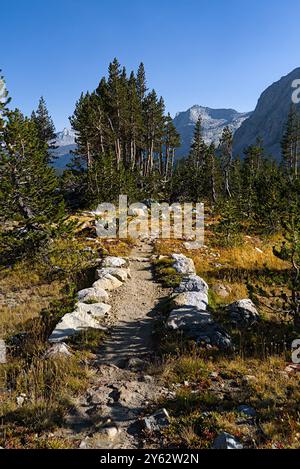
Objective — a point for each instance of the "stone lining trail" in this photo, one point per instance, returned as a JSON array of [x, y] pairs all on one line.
[[109, 415]]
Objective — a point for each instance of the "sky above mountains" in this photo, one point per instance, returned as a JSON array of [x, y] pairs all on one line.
[[211, 52]]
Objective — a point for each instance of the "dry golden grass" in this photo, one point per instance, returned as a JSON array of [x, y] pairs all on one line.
[[231, 267], [29, 303], [262, 384]]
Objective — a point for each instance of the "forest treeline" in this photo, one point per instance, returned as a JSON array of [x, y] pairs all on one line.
[[126, 144]]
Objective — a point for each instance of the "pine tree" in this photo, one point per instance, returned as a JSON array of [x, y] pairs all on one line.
[[45, 127], [198, 147], [135, 123], [171, 142], [141, 83], [81, 123], [290, 251], [290, 144], [116, 98], [253, 162], [154, 122], [226, 157], [4, 100], [29, 188], [210, 173]]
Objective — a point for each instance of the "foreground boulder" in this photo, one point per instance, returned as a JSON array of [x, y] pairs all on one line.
[[92, 295], [192, 283], [84, 317], [183, 265], [120, 273], [226, 441], [107, 282], [199, 325], [111, 261], [191, 298], [243, 313], [188, 319]]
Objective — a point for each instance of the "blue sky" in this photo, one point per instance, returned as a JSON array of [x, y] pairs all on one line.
[[217, 53]]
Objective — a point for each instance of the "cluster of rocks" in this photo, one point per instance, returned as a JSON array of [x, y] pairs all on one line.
[[92, 308], [189, 307], [189, 312]]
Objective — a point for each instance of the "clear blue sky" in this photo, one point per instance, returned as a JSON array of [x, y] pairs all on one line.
[[217, 53]]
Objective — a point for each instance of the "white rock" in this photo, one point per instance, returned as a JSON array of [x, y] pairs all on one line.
[[192, 283], [191, 298], [96, 295], [84, 317], [108, 282], [3, 358], [183, 265], [20, 400], [58, 349], [120, 273], [111, 261]]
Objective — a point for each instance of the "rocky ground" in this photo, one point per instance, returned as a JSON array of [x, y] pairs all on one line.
[[111, 413]]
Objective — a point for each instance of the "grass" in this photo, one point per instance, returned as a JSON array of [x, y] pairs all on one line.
[[209, 385], [165, 273], [35, 294], [210, 392]]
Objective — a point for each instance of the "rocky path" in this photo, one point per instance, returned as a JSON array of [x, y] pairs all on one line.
[[109, 415], [134, 306]]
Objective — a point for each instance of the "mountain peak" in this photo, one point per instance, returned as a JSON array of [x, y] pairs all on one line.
[[65, 137], [213, 123]]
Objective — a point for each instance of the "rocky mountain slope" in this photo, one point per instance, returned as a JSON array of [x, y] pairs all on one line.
[[213, 122], [269, 117]]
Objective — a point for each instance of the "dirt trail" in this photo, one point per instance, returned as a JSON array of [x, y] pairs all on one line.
[[133, 307], [108, 416]]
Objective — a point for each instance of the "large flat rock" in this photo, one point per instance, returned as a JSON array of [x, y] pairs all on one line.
[[107, 282], [120, 273], [92, 295], [191, 298], [85, 316]]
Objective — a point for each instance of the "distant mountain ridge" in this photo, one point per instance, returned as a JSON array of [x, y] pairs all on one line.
[[269, 117], [213, 123]]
